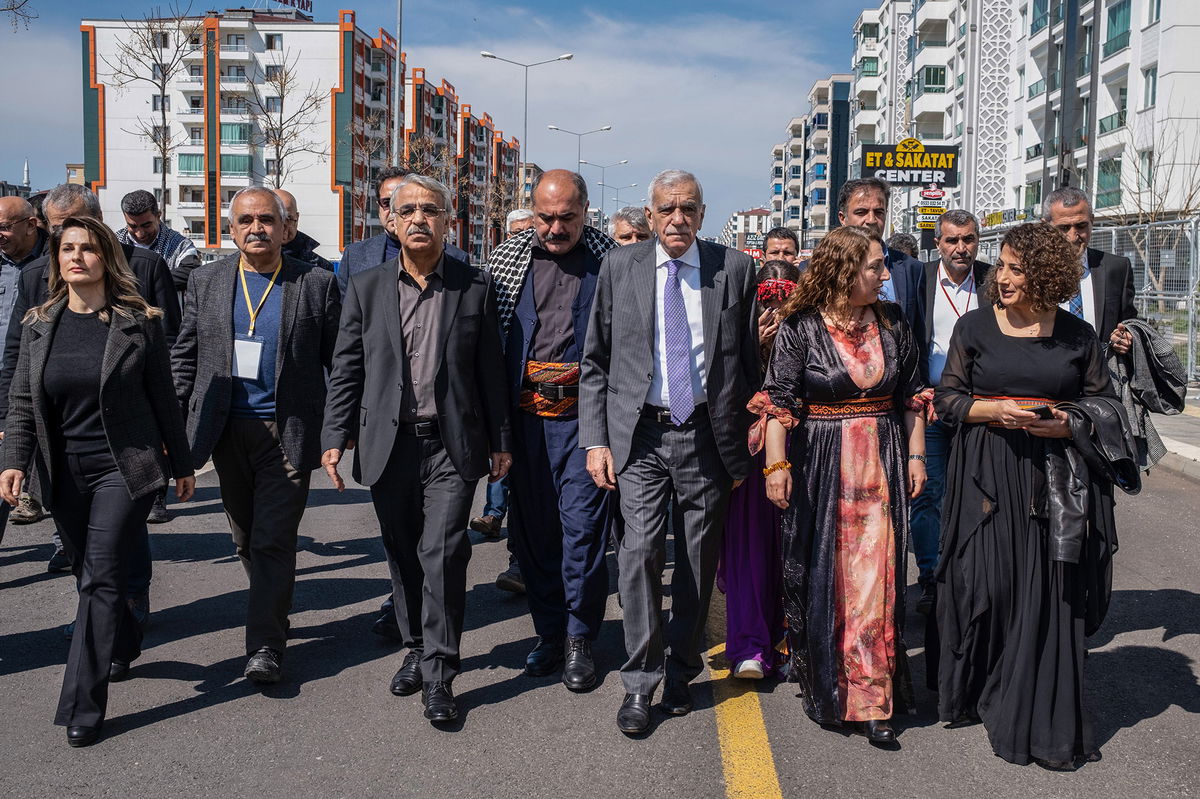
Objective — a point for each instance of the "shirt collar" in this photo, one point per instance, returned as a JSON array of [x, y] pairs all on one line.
[[690, 258]]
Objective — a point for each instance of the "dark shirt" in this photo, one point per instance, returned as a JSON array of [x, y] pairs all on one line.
[[420, 323], [255, 399], [556, 280], [72, 381]]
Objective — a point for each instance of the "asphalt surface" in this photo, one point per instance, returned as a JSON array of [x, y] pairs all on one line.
[[188, 725]]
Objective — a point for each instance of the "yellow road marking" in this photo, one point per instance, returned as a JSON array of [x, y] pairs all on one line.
[[749, 765]]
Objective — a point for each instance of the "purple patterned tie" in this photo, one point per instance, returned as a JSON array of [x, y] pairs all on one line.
[[679, 347]]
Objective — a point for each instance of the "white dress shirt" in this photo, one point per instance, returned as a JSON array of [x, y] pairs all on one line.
[[689, 284], [1088, 296], [950, 301]]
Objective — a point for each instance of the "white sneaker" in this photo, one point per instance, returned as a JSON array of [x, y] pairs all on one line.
[[748, 670]]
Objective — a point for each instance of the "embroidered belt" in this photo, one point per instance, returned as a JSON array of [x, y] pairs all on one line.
[[550, 390], [1024, 402], [851, 409]]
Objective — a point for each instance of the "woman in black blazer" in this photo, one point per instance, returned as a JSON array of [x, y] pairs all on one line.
[[92, 392]]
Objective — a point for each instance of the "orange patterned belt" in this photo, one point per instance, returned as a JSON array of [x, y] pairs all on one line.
[[550, 374], [852, 408], [1024, 402]]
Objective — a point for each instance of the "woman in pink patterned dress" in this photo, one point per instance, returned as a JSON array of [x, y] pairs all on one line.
[[844, 379]]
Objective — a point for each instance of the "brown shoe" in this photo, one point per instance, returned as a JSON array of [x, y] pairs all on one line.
[[488, 525]]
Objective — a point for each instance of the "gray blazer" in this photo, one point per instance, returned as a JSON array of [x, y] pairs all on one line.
[[617, 364], [202, 356], [140, 413]]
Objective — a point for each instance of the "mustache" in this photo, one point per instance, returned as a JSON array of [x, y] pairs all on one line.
[[258, 237]]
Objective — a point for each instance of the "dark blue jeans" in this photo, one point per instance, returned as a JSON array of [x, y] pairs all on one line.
[[925, 513]]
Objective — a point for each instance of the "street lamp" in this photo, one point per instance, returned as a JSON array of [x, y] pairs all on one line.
[[579, 137], [602, 168], [525, 130]]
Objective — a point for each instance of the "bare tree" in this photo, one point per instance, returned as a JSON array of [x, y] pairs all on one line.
[[19, 12], [285, 113], [152, 53]]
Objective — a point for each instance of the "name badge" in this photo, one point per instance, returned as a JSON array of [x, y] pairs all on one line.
[[247, 356]]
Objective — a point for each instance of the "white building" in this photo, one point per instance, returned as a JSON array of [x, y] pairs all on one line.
[[742, 227]]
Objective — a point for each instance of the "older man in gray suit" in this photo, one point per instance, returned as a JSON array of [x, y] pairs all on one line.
[[670, 362], [250, 361]]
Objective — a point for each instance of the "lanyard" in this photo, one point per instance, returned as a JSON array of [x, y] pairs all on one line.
[[970, 294], [254, 310]]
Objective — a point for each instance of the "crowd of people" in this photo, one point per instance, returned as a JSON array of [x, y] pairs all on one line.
[[794, 428]]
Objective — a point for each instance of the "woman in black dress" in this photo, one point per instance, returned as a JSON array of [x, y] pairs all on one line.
[[92, 393], [1012, 618]]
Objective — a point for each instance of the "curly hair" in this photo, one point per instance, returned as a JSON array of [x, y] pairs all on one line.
[[826, 284], [1052, 267]]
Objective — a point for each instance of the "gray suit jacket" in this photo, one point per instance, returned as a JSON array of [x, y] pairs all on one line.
[[202, 356], [370, 363], [140, 413], [617, 364]]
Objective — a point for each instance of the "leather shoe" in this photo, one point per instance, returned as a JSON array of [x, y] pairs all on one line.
[[439, 702], [82, 736], [545, 657], [408, 679], [634, 716], [264, 666], [676, 699], [579, 670], [879, 731], [118, 671]]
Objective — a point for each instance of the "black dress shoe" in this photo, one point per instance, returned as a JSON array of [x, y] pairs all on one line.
[[545, 657], [82, 736], [265, 666], [634, 716], [439, 702], [879, 731], [579, 670], [118, 671], [408, 679], [676, 699]]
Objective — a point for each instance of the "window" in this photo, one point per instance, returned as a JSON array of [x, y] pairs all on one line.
[[274, 104], [163, 40], [1108, 183], [1150, 79], [191, 163], [235, 133], [274, 41], [274, 71], [158, 166], [1118, 28], [1146, 169], [161, 102], [196, 136]]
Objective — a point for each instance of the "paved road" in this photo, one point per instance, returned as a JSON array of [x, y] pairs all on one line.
[[187, 724]]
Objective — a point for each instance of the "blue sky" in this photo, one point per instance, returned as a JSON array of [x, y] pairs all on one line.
[[704, 86]]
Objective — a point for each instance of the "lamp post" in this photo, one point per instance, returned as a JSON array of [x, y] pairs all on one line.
[[526, 67], [603, 168], [579, 137]]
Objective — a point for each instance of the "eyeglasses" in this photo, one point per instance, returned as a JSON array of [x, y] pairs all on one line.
[[406, 212], [9, 227]]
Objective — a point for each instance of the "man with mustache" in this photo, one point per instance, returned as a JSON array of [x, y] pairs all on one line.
[[418, 382], [250, 362], [545, 280]]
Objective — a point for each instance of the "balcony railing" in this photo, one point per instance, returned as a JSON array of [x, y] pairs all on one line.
[[1033, 152], [1037, 88], [1115, 45], [1112, 122]]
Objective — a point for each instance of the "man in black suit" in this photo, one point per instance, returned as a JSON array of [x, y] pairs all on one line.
[[418, 383], [250, 366], [953, 286], [671, 360], [1105, 298]]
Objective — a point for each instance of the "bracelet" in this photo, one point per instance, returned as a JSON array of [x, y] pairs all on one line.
[[774, 467], [920, 458]]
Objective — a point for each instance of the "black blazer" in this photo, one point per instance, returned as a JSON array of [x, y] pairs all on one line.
[[202, 358], [140, 413], [370, 365], [1112, 290], [155, 284]]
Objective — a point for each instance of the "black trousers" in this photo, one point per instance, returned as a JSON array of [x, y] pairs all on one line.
[[423, 507], [99, 523], [264, 498]]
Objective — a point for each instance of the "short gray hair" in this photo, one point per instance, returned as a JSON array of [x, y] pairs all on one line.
[[632, 216], [957, 217], [429, 184], [278, 203], [672, 177], [1067, 197], [69, 194], [519, 215]]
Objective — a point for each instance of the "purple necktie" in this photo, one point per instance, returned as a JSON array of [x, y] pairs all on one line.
[[679, 347]]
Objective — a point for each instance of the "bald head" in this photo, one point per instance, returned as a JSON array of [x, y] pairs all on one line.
[[559, 209], [293, 214], [18, 227]]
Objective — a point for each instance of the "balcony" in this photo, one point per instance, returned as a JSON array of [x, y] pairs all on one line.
[[1115, 45], [1034, 152], [1112, 122]]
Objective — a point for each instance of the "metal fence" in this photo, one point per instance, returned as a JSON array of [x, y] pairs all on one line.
[[1166, 276]]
